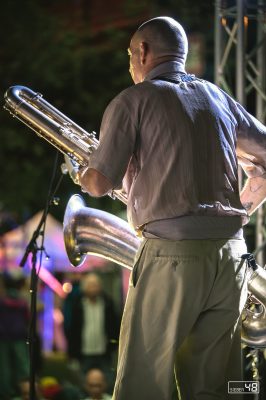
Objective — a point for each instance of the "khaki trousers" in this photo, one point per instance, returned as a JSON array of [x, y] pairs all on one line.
[[181, 313]]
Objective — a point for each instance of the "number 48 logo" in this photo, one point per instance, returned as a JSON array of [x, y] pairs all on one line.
[[252, 386]]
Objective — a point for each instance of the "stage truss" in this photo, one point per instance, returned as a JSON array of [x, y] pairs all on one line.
[[240, 69]]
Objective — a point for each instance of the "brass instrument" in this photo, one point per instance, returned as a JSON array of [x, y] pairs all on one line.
[[254, 313], [91, 231], [55, 127]]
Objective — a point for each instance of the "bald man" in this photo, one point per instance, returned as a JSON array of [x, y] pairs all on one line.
[[174, 142]]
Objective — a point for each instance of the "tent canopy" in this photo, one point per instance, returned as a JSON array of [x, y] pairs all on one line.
[[14, 243]]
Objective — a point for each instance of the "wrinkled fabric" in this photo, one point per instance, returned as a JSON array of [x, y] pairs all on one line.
[[182, 308], [177, 146]]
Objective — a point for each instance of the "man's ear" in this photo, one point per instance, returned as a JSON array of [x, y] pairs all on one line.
[[144, 48]]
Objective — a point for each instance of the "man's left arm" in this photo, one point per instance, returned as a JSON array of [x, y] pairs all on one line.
[[251, 154], [253, 194]]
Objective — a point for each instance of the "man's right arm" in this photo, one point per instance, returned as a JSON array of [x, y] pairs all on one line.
[[108, 163], [94, 182]]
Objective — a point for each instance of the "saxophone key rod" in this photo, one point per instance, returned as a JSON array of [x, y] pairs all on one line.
[[52, 125]]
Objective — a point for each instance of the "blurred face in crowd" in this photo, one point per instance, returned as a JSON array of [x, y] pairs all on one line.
[[95, 383], [92, 286]]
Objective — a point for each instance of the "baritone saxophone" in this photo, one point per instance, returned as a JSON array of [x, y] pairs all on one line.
[[56, 128], [91, 231], [88, 231]]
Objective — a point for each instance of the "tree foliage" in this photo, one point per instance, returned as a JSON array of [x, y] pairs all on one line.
[[72, 73], [77, 71]]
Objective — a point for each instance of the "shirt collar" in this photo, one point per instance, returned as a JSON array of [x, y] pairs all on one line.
[[165, 68]]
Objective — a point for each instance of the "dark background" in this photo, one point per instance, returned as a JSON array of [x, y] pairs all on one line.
[[74, 53]]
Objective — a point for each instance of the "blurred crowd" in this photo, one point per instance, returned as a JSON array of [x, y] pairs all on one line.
[[90, 328]]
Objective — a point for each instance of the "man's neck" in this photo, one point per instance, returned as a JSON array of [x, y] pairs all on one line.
[[157, 61]]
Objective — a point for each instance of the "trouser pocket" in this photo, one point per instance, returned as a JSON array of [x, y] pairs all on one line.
[[134, 273]]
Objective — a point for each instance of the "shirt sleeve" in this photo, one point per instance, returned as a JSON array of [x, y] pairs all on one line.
[[251, 142], [117, 141]]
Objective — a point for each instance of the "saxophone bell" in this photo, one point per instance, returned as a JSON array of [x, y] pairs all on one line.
[[91, 231], [254, 313]]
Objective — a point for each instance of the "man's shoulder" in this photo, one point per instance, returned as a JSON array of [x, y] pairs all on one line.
[[108, 301], [131, 97], [151, 87], [215, 88], [137, 90]]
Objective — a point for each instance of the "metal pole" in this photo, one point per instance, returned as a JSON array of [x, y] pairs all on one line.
[[217, 43], [240, 54], [260, 107], [240, 67], [261, 57]]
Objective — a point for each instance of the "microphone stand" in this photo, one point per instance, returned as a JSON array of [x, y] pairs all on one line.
[[34, 249]]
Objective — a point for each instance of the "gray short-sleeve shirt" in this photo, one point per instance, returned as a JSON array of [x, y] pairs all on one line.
[[175, 147]]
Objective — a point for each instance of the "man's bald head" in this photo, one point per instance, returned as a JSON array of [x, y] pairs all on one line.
[[165, 36], [156, 41]]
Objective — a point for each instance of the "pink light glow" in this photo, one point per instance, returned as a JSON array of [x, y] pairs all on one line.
[[52, 282]]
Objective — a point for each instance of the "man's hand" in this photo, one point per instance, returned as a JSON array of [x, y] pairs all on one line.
[[254, 193], [94, 183]]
